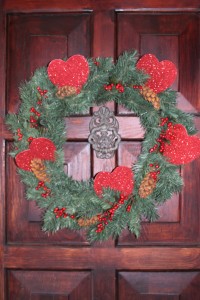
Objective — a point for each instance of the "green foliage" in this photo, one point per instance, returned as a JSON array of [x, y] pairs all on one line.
[[79, 198]]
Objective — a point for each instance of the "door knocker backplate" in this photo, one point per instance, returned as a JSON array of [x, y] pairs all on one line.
[[104, 136]]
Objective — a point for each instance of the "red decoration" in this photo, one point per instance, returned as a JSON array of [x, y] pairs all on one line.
[[119, 87], [73, 72], [121, 180], [162, 74], [23, 160], [60, 212], [20, 135], [47, 191], [42, 92], [42, 148], [182, 148], [128, 209]]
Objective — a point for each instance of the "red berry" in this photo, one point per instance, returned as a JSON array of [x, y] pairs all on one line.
[[137, 87], [96, 63], [30, 139], [32, 120], [32, 109], [118, 85], [128, 208]]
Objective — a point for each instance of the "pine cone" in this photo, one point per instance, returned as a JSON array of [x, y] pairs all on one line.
[[147, 186], [87, 222], [66, 91], [39, 169], [150, 96]]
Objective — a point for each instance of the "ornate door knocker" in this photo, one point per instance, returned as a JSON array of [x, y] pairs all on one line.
[[104, 136]]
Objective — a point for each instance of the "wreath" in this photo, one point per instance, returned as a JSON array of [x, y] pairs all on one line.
[[110, 202]]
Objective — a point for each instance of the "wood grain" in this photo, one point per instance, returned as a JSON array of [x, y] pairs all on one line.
[[164, 262]]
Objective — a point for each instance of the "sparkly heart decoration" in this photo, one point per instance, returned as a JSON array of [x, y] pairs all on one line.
[[23, 159], [42, 148], [74, 72], [162, 74], [121, 180], [182, 148]]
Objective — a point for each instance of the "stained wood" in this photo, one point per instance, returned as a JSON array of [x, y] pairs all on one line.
[[36, 5], [164, 262], [103, 258]]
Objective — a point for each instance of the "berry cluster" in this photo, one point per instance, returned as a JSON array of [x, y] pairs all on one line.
[[155, 170], [128, 209], [19, 134], [137, 87], [165, 135], [109, 214], [34, 111], [34, 118], [42, 93], [47, 191], [97, 63], [61, 213], [118, 87], [30, 139]]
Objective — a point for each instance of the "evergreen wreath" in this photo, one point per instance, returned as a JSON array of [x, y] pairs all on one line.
[[110, 202]]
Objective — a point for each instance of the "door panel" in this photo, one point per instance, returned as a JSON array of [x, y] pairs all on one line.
[[172, 36], [164, 262], [159, 285], [166, 35], [39, 285], [37, 39]]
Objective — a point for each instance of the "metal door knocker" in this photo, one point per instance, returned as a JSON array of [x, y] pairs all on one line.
[[104, 136]]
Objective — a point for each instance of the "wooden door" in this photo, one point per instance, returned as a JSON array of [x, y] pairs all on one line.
[[164, 262]]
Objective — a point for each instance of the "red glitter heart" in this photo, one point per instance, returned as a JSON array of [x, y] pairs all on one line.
[[23, 159], [73, 72], [162, 74], [121, 180], [42, 148], [182, 148]]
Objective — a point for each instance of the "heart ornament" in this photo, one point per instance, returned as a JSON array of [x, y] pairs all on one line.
[[42, 148], [121, 180], [182, 148], [162, 74], [74, 72]]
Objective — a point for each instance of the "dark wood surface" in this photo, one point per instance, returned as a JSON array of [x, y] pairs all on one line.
[[164, 262]]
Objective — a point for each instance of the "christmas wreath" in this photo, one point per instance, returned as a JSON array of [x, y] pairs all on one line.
[[110, 202]]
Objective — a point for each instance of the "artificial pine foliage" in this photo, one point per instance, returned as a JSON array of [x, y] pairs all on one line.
[[75, 205]]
